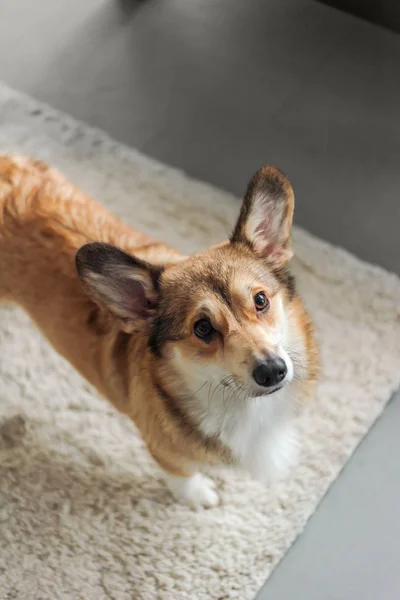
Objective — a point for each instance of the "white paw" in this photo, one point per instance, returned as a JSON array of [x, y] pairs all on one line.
[[197, 491]]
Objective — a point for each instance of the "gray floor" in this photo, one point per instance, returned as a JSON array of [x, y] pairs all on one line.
[[217, 88]]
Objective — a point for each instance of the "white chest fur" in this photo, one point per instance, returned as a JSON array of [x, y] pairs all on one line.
[[260, 432]]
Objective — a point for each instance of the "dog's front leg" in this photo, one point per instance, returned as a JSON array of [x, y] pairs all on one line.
[[191, 488], [196, 490]]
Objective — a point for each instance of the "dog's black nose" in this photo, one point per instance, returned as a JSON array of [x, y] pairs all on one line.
[[270, 372]]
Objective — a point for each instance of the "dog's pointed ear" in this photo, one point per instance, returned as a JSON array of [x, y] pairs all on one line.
[[266, 216], [126, 286]]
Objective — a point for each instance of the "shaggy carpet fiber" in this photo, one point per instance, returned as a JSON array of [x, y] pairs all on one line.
[[84, 514]]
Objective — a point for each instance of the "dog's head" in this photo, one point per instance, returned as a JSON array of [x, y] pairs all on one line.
[[220, 316]]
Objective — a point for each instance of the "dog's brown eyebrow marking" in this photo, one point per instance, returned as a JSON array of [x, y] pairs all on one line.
[[219, 284], [223, 292]]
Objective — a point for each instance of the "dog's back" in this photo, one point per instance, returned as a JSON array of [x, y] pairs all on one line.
[[44, 220], [31, 194], [17, 175]]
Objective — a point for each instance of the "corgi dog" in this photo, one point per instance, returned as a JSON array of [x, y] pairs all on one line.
[[212, 356]]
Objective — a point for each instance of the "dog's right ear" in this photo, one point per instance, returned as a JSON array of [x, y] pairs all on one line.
[[115, 280]]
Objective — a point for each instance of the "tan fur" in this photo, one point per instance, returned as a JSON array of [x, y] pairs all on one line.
[[45, 220]]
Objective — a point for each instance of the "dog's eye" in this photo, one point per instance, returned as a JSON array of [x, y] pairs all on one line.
[[203, 329], [261, 302]]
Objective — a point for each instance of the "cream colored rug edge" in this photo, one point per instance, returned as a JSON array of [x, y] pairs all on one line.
[[83, 510]]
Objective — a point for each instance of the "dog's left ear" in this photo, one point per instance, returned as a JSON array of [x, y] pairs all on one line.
[[266, 216]]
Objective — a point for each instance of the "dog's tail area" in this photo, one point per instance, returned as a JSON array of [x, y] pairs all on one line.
[[18, 178]]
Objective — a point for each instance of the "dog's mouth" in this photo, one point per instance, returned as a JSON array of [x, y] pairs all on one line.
[[265, 391], [251, 393]]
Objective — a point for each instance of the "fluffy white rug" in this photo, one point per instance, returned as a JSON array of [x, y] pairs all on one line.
[[83, 512]]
